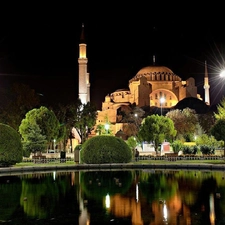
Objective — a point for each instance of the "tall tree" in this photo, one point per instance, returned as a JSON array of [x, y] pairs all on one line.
[[85, 119], [206, 121], [218, 131], [45, 119], [220, 114], [81, 117], [156, 129], [185, 122], [33, 141]]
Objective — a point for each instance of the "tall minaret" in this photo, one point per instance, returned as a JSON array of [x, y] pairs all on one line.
[[206, 85], [84, 85]]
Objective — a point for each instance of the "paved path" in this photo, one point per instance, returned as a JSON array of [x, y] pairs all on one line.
[[120, 166]]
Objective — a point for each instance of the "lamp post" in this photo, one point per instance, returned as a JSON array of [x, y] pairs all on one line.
[[162, 100], [107, 128]]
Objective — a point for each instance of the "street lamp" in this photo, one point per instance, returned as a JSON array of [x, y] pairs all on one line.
[[107, 128], [162, 100]]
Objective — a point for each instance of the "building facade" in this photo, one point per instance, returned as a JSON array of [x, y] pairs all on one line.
[[153, 86]]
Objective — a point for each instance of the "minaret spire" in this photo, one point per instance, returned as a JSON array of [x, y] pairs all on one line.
[[206, 85], [84, 85], [82, 38]]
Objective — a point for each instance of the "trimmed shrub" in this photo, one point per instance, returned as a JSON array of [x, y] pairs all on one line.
[[191, 149], [11, 149], [207, 150], [105, 149]]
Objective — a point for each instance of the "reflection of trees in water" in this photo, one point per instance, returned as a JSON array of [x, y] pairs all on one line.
[[158, 186], [41, 197], [98, 184], [201, 207], [10, 190]]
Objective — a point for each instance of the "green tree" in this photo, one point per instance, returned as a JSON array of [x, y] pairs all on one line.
[[65, 118], [10, 146], [45, 119], [185, 122], [218, 131], [85, 119], [156, 129], [209, 140], [220, 114], [33, 141], [132, 143]]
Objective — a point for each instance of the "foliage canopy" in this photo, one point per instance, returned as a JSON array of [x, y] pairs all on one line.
[[105, 149], [156, 129], [10, 146]]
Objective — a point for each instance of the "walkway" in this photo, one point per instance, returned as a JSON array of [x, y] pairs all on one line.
[[120, 166]]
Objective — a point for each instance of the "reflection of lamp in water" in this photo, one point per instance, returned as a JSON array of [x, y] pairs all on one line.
[[107, 201], [137, 193], [211, 209], [164, 211]]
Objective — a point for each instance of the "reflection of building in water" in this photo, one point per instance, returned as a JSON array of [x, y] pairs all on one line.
[[176, 212], [153, 214], [126, 207]]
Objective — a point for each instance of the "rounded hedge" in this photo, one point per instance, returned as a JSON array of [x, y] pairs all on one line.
[[105, 149], [11, 149]]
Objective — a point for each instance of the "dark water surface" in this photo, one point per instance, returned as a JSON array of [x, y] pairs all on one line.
[[137, 197]]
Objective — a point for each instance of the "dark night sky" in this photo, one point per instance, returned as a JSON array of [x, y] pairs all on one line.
[[39, 45]]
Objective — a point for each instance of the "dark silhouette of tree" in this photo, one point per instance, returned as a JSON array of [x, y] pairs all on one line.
[[18, 101], [218, 131], [185, 122]]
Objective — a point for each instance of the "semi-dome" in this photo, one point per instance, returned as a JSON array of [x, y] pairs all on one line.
[[156, 73]]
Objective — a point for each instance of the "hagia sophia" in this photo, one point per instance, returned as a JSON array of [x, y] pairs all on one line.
[[153, 86]]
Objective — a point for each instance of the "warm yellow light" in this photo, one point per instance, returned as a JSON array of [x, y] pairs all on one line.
[[107, 201], [162, 100]]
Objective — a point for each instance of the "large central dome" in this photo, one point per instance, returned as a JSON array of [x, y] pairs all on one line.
[[156, 73]]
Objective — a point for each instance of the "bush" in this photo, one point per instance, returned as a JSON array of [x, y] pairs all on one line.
[[11, 149], [105, 149], [207, 150], [177, 145], [192, 150]]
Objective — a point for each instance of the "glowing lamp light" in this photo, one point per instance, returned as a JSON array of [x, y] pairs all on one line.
[[107, 127], [222, 74], [107, 201], [162, 100]]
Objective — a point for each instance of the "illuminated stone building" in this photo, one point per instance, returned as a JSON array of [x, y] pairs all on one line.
[[151, 86]]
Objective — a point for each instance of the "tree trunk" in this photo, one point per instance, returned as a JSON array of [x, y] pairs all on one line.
[[156, 149]]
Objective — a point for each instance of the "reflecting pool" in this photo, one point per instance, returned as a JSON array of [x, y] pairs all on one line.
[[135, 197]]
